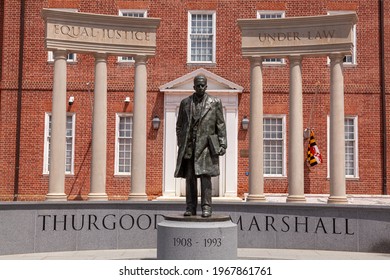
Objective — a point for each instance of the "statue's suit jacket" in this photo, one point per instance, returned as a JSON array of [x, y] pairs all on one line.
[[211, 122]]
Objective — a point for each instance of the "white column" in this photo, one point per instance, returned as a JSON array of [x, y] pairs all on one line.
[[337, 138], [231, 160], [170, 149], [58, 130], [256, 175], [138, 156], [295, 139], [99, 131]]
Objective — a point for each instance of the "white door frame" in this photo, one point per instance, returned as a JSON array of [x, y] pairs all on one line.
[[228, 167]]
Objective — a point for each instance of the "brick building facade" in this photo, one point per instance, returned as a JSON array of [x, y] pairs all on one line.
[[26, 95]]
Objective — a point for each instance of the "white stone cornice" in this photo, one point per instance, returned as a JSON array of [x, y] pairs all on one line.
[[309, 36], [60, 16], [291, 22], [88, 33], [315, 50]]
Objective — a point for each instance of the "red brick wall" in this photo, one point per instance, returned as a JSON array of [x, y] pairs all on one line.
[[387, 81], [362, 88], [10, 42], [2, 181], [1, 34]]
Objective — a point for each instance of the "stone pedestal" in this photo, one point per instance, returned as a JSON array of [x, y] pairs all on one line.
[[197, 238]]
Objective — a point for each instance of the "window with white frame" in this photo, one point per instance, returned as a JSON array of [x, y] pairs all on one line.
[[351, 146], [201, 36], [131, 13], [123, 144], [268, 15], [69, 150], [350, 124], [274, 136], [71, 56], [349, 60]]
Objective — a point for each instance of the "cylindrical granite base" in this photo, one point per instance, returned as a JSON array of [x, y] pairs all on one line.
[[197, 238]]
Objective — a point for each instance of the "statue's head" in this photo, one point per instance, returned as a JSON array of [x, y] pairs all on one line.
[[200, 85]]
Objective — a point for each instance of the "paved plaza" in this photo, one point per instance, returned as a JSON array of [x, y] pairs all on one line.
[[150, 254]]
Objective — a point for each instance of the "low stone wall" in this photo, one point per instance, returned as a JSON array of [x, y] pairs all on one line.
[[70, 226]]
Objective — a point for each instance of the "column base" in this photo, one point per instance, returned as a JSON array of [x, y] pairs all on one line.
[[97, 197], [296, 199], [56, 197], [337, 200], [138, 196], [256, 198]]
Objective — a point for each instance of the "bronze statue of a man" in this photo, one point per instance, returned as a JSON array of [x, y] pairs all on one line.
[[201, 137]]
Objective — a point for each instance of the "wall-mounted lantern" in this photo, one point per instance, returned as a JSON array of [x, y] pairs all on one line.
[[156, 122], [245, 123]]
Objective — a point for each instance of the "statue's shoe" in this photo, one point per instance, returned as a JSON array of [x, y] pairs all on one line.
[[206, 213], [189, 213]]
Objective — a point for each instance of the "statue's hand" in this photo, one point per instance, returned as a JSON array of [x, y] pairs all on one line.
[[222, 151]]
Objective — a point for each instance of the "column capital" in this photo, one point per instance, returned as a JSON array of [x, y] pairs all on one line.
[[140, 59], [256, 60], [295, 59], [60, 54], [100, 56], [336, 57]]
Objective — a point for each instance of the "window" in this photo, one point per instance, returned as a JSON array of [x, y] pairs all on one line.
[[70, 133], [201, 37], [130, 13], [274, 136], [133, 13], [351, 146], [123, 143], [267, 15], [349, 60], [71, 57]]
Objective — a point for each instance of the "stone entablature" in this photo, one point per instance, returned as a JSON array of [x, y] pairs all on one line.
[[296, 38], [308, 36], [113, 35], [100, 36]]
